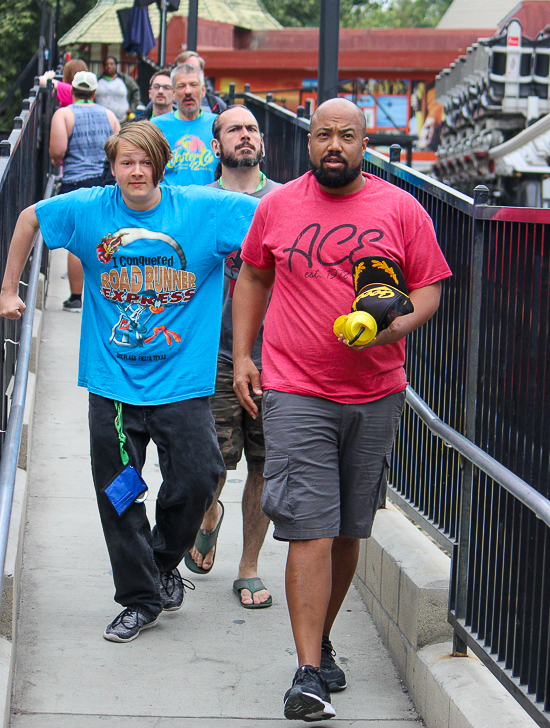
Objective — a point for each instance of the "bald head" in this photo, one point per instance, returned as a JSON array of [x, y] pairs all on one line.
[[337, 143], [342, 109]]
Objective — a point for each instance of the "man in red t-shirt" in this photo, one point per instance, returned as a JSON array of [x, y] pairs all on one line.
[[330, 410]]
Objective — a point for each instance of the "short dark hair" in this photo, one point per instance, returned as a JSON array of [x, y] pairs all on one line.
[[107, 58], [80, 94], [162, 72], [216, 123]]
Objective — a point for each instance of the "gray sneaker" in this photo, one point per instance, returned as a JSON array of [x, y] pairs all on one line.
[[172, 590], [333, 674], [128, 624], [73, 306]]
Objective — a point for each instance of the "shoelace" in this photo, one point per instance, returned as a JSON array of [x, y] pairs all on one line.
[[174, 577], [326, 646], [128, 612], [305, 673]]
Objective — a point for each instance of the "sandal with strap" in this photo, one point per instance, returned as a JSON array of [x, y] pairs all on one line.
[[204, 544], [253, 585]]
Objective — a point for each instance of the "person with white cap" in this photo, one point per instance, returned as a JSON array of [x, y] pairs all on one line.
[[77, 139]]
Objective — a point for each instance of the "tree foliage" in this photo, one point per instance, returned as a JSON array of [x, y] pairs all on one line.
[[20, 22], [360, 14]]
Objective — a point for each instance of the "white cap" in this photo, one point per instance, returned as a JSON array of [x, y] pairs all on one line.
[[85, 81]]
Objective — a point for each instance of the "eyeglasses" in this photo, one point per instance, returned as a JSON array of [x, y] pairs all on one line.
[[157, 86]]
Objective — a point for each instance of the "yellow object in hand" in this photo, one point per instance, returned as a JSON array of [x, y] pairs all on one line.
[[358, 328]]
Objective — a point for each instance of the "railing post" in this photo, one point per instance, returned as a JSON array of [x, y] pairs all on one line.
[[329, 33], [462, 552], [192, 24], [231, 99], [247, 88], [395, 153], [300, 111], [309, 108], [268, 100]]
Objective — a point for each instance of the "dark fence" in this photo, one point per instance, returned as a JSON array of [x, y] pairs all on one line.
[[24, 170], [480, 369]]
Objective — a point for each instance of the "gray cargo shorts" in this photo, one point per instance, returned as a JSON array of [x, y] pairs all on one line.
[[326, 463]]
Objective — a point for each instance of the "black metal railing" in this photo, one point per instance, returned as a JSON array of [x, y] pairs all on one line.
[[478, 369], [24, 170]]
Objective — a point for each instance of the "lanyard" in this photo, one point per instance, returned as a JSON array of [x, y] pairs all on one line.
[[121, 436]]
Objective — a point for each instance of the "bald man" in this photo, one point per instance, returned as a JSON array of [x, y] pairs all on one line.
[[330, 410]]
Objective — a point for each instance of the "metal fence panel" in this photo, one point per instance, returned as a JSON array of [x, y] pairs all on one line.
[[24, 166]]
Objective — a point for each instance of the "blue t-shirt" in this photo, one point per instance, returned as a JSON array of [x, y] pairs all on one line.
[[193, 162], [153, 286]]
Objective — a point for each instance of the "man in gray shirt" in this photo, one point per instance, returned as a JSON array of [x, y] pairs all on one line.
[[239, 146]]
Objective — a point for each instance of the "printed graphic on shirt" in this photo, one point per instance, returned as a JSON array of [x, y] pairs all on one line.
[[339, 245], [233, 263], [142, 287], [190, 152]]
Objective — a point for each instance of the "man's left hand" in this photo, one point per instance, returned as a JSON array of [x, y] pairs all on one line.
[[425, 301]]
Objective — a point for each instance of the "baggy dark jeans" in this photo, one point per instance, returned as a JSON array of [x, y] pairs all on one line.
[[191, 465]]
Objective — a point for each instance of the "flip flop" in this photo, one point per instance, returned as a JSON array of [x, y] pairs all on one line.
[[253, 585], [204, 544]]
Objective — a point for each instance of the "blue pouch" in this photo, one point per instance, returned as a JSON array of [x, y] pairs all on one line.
[[127, 487]]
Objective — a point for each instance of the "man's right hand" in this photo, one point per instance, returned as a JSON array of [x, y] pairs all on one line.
[[11, 306], [246, 374]]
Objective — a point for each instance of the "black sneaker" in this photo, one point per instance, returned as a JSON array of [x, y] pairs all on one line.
[[334, 675], [172, 590], [129, 624], [309, 697], [74, 306]]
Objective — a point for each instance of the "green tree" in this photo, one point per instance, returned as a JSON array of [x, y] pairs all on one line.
[[360, 14], [19, 37]]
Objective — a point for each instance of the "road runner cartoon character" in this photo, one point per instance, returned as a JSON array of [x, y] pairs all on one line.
[[141, 302]]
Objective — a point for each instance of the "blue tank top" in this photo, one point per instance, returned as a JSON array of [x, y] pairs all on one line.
[[85, 152]]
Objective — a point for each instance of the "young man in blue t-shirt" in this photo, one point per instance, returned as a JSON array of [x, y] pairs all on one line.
[[188, 130], [153, 262]]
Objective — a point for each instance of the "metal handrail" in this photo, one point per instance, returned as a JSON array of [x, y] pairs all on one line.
[[521, 490], [10, 452]]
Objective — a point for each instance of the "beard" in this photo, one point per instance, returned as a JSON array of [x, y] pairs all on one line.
[[231, 160], [334, 178]]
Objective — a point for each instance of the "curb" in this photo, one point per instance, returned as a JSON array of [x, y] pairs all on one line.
[[403, 578], [12, 567]]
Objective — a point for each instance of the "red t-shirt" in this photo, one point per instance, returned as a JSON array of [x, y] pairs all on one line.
[[312, 238]]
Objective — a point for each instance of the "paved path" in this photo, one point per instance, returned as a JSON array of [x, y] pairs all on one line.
[[212, 664]]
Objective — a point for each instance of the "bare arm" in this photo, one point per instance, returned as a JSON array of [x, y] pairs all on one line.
[[59, 135], [43, 80], [425, 301], [113, 121], [11, 306], [250, 300]]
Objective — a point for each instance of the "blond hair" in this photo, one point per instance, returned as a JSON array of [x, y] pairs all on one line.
[[147, 137], [184, 56]]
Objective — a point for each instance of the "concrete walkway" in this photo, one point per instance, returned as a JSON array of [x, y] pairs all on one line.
[[212, 664]]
